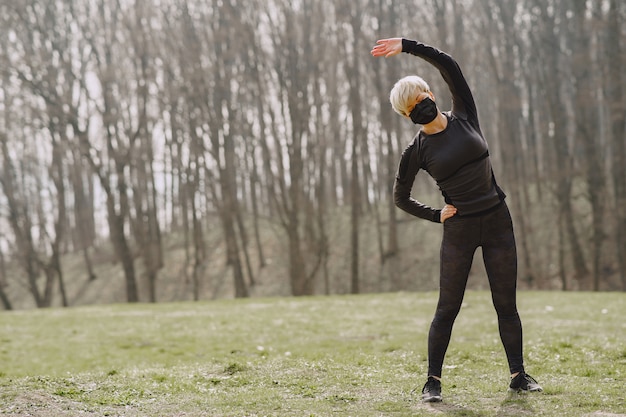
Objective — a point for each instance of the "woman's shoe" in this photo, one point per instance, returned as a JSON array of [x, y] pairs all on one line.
[[524, 383], [431, 393]]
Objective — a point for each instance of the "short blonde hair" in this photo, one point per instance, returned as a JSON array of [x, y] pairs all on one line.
[[405, 90]]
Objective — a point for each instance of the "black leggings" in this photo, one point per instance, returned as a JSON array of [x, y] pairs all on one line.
[[461, 236]]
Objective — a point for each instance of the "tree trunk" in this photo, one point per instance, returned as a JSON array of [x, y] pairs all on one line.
[[358, 134], [617, 108], [199, 252], [21, 225], [82, 189], [3, 273], [122, 250], [555, 73], [586, 114]]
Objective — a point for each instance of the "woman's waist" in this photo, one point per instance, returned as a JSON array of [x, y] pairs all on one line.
[[476, 204]]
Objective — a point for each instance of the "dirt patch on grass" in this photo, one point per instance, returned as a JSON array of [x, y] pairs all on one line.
[[39, 404]]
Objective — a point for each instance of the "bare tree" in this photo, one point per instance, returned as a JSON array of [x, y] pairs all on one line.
[[111, 163], [49, 82], [553, 76], [586, 105], [505, 65], [21, 226], [291, 36], [147, 230], [616, 97]]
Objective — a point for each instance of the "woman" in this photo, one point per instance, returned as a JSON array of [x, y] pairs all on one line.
[[451, 148]]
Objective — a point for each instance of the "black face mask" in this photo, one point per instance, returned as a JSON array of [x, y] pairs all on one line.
[[424, 112]]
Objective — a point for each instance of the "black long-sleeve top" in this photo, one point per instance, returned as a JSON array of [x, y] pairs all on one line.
[[457, 157]]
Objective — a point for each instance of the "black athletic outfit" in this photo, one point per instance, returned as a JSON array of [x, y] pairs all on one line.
[[458, 159]]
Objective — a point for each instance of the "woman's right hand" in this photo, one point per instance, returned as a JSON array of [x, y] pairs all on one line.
[[387, 47], [446, 212]]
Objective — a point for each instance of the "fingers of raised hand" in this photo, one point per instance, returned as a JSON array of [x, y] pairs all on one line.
[[380, 49], [386, 47]]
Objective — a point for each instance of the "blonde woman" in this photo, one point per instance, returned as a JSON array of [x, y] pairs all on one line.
[[450, 146]]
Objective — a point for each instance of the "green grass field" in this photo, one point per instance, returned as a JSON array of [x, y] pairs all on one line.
[[319, 356]]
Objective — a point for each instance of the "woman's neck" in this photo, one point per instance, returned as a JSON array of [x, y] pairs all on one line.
[[437, 125]]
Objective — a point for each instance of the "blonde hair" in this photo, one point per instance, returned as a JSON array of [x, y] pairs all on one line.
[[403, 93]]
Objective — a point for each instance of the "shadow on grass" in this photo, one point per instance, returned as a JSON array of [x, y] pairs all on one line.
[[443, 408], [515, 404], [454, 410]]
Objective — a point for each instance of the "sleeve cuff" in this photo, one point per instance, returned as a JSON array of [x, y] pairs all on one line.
[[405, 45]]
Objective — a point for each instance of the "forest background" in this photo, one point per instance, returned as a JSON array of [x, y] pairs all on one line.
[[193, 149]]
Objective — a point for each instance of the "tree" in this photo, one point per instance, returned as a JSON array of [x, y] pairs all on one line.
[[111, 162], [614, 90]]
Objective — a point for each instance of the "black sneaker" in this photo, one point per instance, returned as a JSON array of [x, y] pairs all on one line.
[[431, 393], [524, 383]]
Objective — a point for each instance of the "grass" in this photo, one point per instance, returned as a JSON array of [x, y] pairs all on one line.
[[319, 356]]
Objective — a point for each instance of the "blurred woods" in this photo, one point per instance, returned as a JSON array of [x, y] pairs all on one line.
[[257, 136]]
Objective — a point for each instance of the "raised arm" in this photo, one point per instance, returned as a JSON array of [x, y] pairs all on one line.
[[462, 100]]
